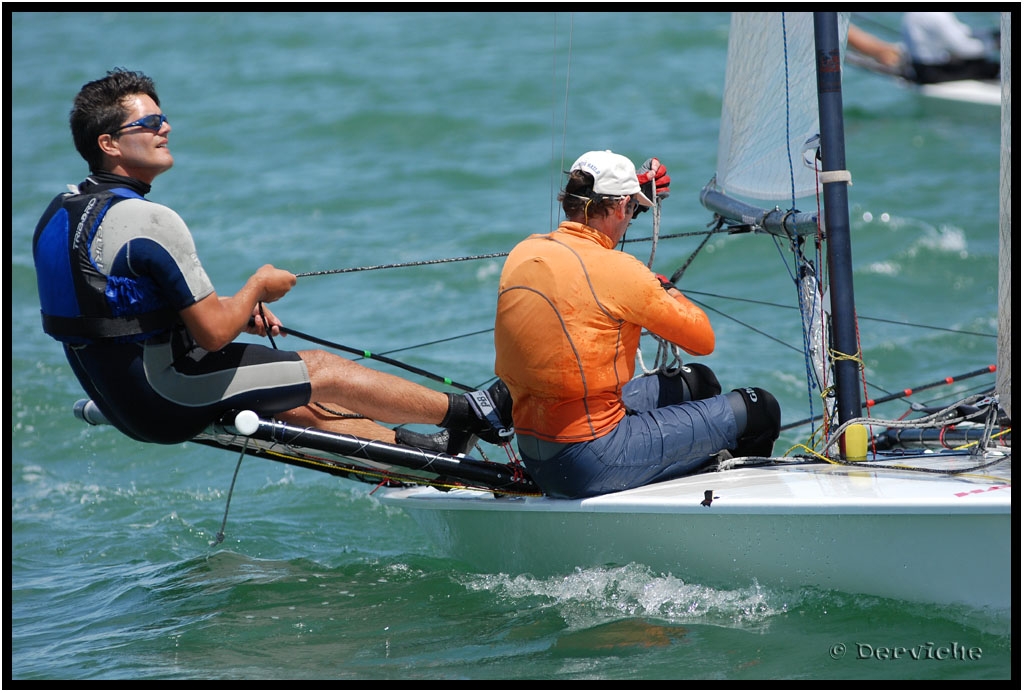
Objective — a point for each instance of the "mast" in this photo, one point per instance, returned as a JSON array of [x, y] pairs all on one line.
[[835, 178]]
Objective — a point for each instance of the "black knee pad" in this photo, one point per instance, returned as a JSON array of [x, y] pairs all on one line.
[[763, 411], [692, 381], [764, 423], [701, 381]]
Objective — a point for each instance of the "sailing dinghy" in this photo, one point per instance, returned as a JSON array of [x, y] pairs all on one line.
[[974, 91], [930, 527], [985, 92], [867, 514]]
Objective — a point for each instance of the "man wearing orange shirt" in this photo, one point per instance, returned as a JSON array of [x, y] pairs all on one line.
[[570, 312]]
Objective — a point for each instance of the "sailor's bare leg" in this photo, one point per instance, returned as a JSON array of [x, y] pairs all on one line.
[[374, 394]]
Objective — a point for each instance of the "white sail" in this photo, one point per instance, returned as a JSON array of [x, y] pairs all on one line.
[[762, 103]]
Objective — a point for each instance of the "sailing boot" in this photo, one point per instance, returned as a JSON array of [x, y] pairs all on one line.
[[763, 425], [448, 441], [484, 413]]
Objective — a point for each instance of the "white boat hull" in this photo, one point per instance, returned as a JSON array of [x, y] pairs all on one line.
[[966, 90], [902, 535]]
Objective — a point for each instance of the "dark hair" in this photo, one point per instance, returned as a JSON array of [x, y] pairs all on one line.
[[100, 108], [579, 201]]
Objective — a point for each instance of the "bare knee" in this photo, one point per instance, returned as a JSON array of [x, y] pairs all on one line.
[[318, 362], [327, 370]]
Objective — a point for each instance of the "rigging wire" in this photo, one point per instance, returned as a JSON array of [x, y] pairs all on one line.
[[231, 490], [554, 183], [902, 323], [377, 357], [241, 453], [485, 256], [395, 265]]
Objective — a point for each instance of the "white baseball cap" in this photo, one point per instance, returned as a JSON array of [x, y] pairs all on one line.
[[613, 173]]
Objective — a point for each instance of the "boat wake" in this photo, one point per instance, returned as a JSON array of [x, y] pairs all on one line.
[[592, 598], [587, 597]]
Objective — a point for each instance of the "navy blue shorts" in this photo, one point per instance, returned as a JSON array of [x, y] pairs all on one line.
[[650, 444]]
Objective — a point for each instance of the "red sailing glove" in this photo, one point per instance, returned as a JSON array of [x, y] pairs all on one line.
[[652, 176], [666, 284]]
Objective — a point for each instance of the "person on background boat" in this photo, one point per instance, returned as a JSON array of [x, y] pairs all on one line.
[[570, 312], [941, 48], [888, 55], [150, 340]]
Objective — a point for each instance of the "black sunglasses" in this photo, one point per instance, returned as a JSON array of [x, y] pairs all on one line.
[[151, 122]]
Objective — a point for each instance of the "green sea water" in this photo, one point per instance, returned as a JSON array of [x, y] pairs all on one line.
[[342, 140]]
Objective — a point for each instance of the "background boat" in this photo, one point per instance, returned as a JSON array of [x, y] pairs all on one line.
[[965, 91], [389, 155]]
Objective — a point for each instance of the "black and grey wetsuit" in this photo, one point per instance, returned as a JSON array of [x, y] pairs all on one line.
[[113, 270]]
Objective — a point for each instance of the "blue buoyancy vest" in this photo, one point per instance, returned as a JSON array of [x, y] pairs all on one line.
[[80, 304]]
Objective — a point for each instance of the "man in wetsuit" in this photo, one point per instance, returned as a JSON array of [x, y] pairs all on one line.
[[570, 312], [152, 343]]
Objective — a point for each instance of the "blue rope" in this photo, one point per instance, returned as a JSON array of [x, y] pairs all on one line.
[[797, 255], [789, 154]]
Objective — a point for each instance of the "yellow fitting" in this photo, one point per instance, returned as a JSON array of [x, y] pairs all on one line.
[[855, 443]]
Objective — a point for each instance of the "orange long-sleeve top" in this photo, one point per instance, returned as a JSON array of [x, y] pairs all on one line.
[[570, 312]]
